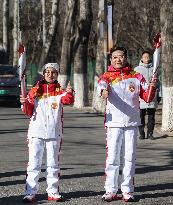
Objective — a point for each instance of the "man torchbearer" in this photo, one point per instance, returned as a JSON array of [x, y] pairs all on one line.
[[122, 87]]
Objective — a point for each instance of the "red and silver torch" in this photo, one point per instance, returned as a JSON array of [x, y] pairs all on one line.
[[22, 69], [156, 60]]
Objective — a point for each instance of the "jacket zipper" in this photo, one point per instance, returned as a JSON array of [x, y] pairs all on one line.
[[47, 117], [122, 75]]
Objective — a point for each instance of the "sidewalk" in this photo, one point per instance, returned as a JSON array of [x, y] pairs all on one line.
[[82, 164]]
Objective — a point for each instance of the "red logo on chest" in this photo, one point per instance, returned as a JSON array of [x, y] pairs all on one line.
[[132, 87]]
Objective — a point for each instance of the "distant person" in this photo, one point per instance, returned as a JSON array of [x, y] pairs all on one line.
[[122, 87], [44, 104], [146, 69]]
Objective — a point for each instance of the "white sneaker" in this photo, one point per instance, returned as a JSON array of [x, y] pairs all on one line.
[[110, 197], [29, 198], [128, 197], [55, 197]]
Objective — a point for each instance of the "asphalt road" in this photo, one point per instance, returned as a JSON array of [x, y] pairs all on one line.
[[82, 162]]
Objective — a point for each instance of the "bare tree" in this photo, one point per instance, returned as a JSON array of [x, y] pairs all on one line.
[[5, 25], [80, 53], [31, 28], [118, 21], [51, 33], [166, 17], [135, 23], [43, 3], [66, 52], [15, 32]]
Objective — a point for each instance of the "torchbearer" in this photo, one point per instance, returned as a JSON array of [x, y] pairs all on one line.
[[44, 104], [122, 87]]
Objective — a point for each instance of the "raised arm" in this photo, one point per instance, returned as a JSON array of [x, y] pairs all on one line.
[[67, 96]]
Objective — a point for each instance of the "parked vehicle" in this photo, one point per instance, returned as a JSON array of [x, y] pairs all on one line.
[[9, 84]]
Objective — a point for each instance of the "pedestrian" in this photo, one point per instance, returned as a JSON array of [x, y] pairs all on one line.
[[121, 86], [44, 106], [146, 69]]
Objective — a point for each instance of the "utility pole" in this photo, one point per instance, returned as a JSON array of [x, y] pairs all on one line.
[[16, 32], [110, 24], [103, 48], [105, 35], [105, 27]]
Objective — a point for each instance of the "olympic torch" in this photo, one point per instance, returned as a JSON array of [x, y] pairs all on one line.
[[156, 60], [22, 69]]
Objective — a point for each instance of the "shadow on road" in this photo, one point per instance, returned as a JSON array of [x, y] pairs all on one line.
[[83, 175], [10, 174], [80, 115], [14, 118], [19, 173], [12, 131], [11, 200], [163, 136], [148, 169], [41, 179], [42, 198], [154, 188], [79, 194], [82, 127], [12, 114]]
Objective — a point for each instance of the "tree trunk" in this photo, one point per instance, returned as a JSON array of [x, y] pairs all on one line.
[[66, 52], [80, 77], [80, 54], [166, 17], [5, 32], [43, 3], [5, 25], [15, 32], [51, 34], [98, 103]]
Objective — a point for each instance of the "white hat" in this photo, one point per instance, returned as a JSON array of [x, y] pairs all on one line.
[[51, 65]]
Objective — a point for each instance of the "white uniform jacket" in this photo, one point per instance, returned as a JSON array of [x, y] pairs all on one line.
[[45, 107], [125, 86]]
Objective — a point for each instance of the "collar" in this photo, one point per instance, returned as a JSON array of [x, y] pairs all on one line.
[[149, 65], [125, 69], [48, 87]]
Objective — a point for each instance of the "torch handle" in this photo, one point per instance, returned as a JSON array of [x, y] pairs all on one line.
[[153, 79], [23, 87]]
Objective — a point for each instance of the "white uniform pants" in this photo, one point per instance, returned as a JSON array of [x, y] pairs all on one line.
[[36, 149], [120, 139]]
